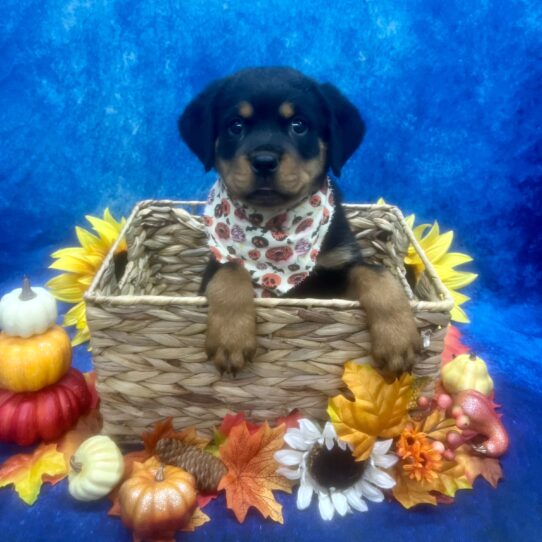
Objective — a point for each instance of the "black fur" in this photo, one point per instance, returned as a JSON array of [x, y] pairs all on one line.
[[206, 124]]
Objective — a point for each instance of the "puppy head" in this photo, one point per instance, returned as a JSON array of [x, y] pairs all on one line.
[[271, 133]]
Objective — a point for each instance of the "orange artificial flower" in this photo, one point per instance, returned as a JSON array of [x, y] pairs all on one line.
[[419, 459]]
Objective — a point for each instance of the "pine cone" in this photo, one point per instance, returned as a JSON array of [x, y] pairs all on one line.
[[206, 468]]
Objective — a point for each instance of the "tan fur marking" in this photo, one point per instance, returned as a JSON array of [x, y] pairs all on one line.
[[395, 338], [231, 325], [246, 110], [297, 176], [237, 174], [286, 110]]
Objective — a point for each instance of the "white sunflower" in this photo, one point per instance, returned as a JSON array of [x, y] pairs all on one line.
[[324, 465]]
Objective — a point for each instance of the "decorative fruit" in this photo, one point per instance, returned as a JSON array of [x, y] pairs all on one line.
[[484, 421], [46, 414], [27, 311], [33, 363], [467, 372], [95, 468], [157, 500]]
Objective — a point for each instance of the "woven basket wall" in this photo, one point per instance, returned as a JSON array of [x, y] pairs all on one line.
[[148, 328]]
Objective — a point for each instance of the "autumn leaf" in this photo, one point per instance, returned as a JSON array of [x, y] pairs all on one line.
[[233, 420], [26, 471], [90, 379], [291, 420], [379, 409], [198, 519], [251, 475], [451, 478], [164, 429], [487, 467], [436, 426], [410, 492]]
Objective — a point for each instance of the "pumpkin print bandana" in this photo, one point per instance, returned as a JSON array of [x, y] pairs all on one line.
[[278, 248]]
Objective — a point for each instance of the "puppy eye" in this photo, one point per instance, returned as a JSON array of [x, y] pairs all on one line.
[[236, 127], [299, 126]]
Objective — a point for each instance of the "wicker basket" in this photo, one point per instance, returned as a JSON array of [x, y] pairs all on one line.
[[148, 328]]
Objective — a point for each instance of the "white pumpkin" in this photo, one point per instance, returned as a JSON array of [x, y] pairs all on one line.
[[27, 311], [95, 469]]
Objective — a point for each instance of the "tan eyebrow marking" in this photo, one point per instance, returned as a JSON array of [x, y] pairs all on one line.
[[246, 110], [286, 109]]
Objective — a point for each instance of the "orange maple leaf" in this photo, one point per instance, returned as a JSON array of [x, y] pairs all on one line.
[[164, 429], [251, 475], [474, 465]]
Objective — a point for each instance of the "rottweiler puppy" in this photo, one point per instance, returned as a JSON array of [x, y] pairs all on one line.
[[273, 134]]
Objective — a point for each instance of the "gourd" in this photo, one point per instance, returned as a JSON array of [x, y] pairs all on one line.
[[467, 372], [157, 500], [34, 352], [95, 468], [27, 311], [28, 417]]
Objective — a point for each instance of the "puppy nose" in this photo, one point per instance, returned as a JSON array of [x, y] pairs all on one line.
[[264, 162]]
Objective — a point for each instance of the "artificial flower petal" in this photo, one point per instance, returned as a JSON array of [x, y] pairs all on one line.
[[310, 432], [340, 503], [289, 473], [289, 458], [355, 501], [294, 439], [385, 461], [327, 510], [382, 446], [370, 492], [379, 478], [304, 496], [329, 435]]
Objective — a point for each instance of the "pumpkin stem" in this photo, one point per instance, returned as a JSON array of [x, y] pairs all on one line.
[[75, 465], [472, 356], [27, 293], [159, 476]]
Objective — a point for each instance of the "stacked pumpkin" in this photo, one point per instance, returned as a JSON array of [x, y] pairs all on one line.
[[41, 396]]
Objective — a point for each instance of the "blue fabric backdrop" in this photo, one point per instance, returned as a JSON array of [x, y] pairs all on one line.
[[89, 96]]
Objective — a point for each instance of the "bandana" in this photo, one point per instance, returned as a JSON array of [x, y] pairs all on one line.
[[278, 248]]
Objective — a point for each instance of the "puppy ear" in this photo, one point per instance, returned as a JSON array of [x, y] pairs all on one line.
[[346, 129], [197, 125]]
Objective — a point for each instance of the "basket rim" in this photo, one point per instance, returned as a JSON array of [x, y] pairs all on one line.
[[445, 304]]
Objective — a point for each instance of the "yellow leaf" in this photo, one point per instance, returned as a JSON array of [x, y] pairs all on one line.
[[379, 409], [410, 492], [474, 466], [198, 519], [26, 471], [451, 478]]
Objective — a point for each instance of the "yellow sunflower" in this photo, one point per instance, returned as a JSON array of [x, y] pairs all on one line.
[[436, 246], [81, 265]]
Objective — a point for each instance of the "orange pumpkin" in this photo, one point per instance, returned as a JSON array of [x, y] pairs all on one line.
[[30, 364], [157, 500]]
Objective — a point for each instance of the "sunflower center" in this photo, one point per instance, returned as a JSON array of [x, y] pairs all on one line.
[[334, 468]]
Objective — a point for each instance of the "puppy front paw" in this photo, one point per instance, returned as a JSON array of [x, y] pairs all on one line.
[[230, 342], [395, 342]]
